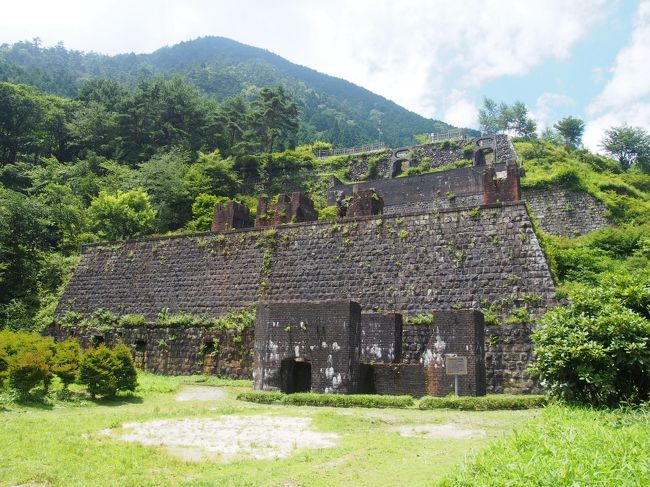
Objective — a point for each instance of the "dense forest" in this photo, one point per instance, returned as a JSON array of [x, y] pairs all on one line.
[[330, 108]]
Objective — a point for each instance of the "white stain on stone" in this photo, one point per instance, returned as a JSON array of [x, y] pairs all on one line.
[[324, 344], [335, 347], [297, 350]]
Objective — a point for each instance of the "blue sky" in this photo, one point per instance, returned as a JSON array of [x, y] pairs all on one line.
[[439, 58]]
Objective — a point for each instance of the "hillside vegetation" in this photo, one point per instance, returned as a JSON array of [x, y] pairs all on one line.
[[331, 109]]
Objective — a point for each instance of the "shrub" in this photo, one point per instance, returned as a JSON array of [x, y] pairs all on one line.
[[65, 363], [27, 359], [261, 397], [483, 403], [104, 371], [332, 400], [348, 400], [97, 371], [597, 349], [27, 371], [126, 376]]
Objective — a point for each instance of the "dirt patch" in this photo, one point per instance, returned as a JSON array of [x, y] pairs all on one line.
[[229, 437], [441, 431], [201, 393]]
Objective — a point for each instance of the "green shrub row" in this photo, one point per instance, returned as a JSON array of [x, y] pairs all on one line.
[[105, 320], [483, 403], [29, 360]]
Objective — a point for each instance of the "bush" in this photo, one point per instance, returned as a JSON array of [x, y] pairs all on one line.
[[27, 359], [261, 397], [65, 363], [126, 376], [597, 349], [332, 400], [104, 371], [348, 400], [483, 403], [27, 371]]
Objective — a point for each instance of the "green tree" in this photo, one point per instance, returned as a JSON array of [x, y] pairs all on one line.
[[65, 364], [488, 117], [597, 349], [126, 214], [203, 211], [26, 234], [571, 130], [162, 177], [630, 146], [213, 175], [97, 371], [274, 116], [126, 376], [21, 114]]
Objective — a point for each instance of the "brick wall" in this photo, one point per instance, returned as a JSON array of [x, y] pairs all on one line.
[[323, 334], [381, 337]]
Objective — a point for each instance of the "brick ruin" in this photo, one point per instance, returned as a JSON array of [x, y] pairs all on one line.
[[331, 347], [449, 242]]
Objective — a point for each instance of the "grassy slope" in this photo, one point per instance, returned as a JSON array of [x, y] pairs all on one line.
[[567, 446], [60, 447]]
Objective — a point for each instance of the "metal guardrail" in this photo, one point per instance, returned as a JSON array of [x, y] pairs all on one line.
[[322, 154], [455, 134]]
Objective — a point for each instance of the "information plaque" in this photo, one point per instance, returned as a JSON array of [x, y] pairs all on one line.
[[456, 365]]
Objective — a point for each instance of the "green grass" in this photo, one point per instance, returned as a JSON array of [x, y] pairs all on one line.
[[567, 446], [56, 442]]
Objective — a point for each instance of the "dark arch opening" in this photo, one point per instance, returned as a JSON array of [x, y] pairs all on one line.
[[295, 376]]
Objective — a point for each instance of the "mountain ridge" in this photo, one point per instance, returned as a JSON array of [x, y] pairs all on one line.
[[332, 108]]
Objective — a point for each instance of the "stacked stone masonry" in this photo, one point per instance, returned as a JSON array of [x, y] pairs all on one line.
[[413, 263], [174, 351], [566, 212]]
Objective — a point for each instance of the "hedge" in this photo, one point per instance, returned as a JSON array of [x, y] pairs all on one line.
[[483, 403], [332, 400]]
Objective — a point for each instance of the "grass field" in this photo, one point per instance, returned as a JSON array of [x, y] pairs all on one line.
[[64, 443]]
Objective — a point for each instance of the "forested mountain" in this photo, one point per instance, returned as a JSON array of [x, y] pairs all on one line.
[[331, 109]]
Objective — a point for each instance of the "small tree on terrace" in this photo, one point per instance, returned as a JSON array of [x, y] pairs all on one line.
[[571, 130], [629, 146]]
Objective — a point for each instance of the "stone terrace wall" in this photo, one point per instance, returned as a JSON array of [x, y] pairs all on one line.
[[414, 263], [175, 351], [566, 212], [434, 191], [508, 354]]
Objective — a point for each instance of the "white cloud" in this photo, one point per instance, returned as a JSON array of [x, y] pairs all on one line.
[[543, 112], [414, 52], [626, 95], [460, 110]]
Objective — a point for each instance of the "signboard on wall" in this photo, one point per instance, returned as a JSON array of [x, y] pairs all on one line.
[[456, 365]]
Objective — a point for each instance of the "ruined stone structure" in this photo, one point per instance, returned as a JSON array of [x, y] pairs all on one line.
[[230, 215], [456, 188], [297, 208], [329, 346], [446, 241]]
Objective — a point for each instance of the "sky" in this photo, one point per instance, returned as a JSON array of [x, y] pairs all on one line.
[[438, 58]]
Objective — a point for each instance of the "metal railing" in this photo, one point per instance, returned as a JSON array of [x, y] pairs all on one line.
[[377, 146], [455, 134]]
